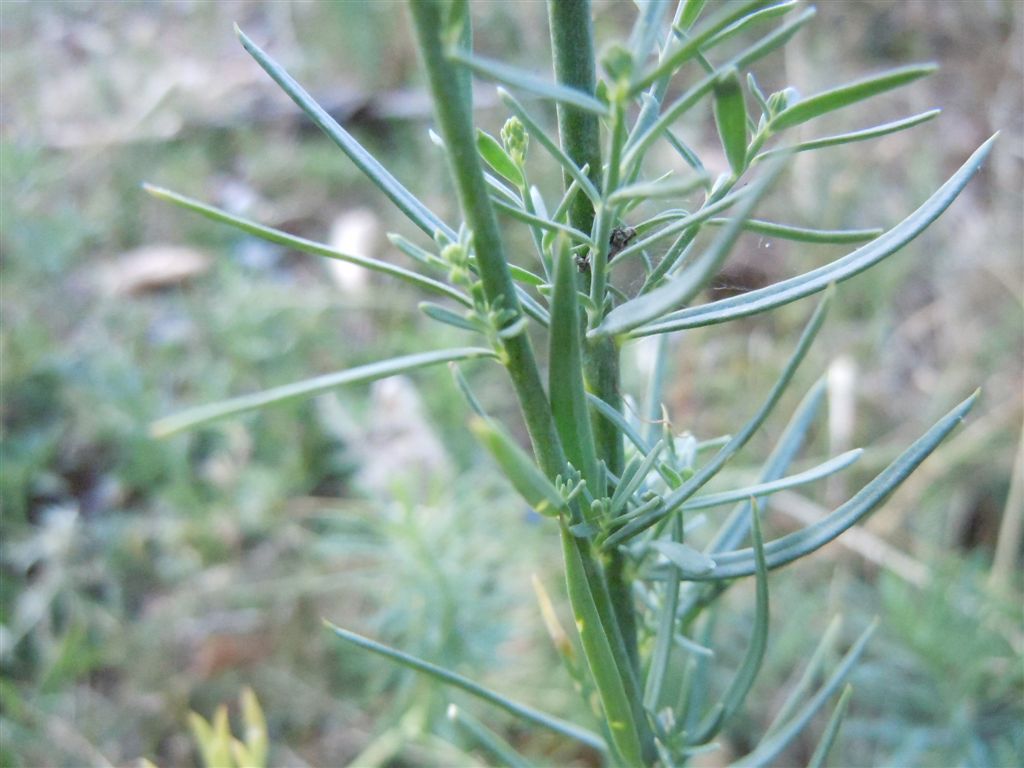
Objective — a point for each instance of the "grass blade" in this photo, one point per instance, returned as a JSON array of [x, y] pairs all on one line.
[[854, 136], [772, 747], [790, 290], [788, 548], [803, 234], [306, 246], [837, 98], [527, 81], [522, 711], [205, 414], [406, 202], [731, 119], [823, 470], [565, 372]]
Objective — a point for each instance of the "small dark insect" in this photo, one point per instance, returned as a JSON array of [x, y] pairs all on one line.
[[620, 238]]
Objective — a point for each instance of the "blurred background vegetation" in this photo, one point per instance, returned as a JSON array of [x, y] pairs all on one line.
[[143, 580]]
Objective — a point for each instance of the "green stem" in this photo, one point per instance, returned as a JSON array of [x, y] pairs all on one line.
[[453, 107]]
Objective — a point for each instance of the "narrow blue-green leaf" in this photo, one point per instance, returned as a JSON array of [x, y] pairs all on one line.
[[679, 496], [687, 560], [414, 251], [306, 246], [204, 414], [628, 486], [444, 315], [522, 711], [828, 738], [758, 94], [769, 749], [646, 307], [825, 469], [619, 421], [527, 81], [540, 135], [406, 202], [518, 467], [646, 29], [565, 372], [803, 234], [640, 142], [689, 10], [788, 548], [666, 634], [601, 660], [681, 223], [765, 14], [808, 678], [654, 190], [731, 119], [495, 156], [837, 98], [489, 741], [854, 263], [691, 45], [537, 221], [744, 680], [526, 276], [853, 136], [467, 392]]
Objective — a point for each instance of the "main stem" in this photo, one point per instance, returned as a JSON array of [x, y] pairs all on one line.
[[572, 42]]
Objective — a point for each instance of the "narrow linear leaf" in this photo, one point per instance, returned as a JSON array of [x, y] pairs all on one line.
[[522, 711], [495, 156], [489, 741], [527, 81], [307, 246], [689, 11], [691, 45], [654, 190], [687, 560], [565, 372], [828, 738], [664, 641], [803, 234], [646, 307], [537, 221], [854, 263], [518, 467], [675, 499], [837, 98], [466, 390], [744, 680], [853, 136], [640, 142], [795, 545], [205, 414], [823, 470], [526, 276], [406, 202], [540, 135], [628, 486], [444, 315], [765, 14], [731, 119], [808, 678], [769, 749], [604, 667]]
